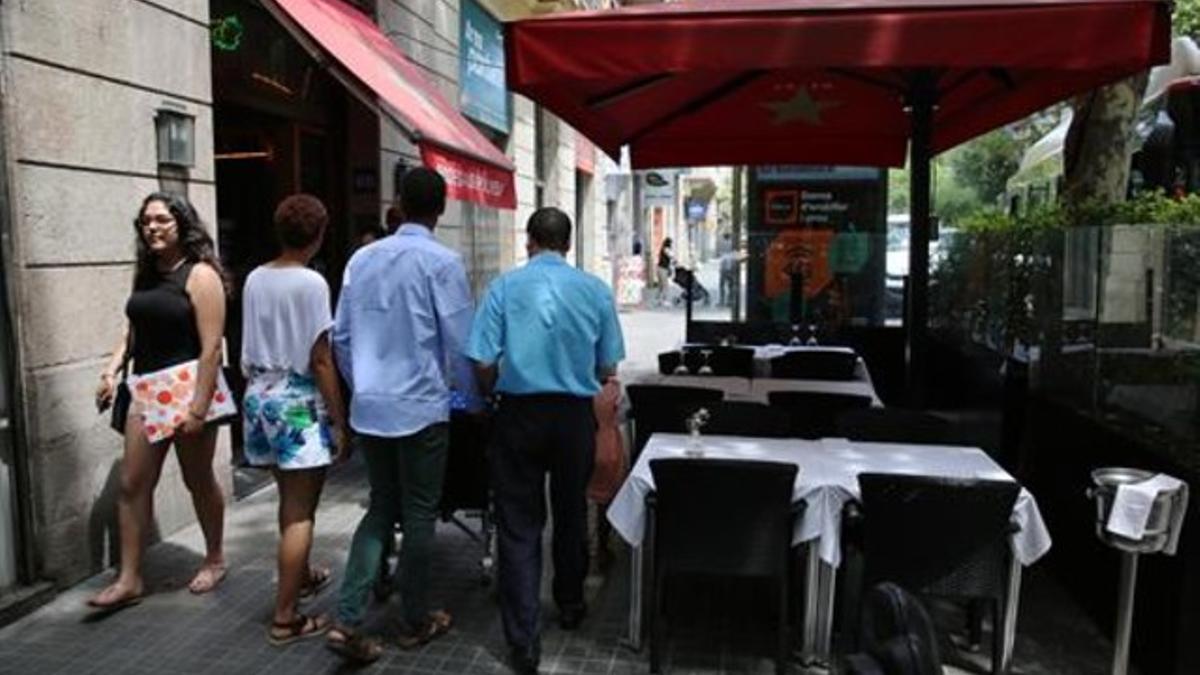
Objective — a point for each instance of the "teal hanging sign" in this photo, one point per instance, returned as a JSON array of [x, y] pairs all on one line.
[[483, 93]]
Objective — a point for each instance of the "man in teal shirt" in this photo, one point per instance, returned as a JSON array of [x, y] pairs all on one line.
[[544, 339]]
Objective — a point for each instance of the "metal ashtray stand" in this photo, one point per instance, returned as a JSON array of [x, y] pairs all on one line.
[[1166, 517]]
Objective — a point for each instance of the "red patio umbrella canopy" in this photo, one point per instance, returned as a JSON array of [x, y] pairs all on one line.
[[820, 81]]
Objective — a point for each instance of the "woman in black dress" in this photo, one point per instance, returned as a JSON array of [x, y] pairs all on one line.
[[176, 317]]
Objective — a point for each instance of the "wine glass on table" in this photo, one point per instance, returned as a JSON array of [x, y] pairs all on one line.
[[795, 341]]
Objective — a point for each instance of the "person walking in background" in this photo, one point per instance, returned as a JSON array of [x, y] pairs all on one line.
[[176, 317], [293, 412], [544, 339], [393, 219], [402, 320], [663, 270], [729, 262], [369, 232]]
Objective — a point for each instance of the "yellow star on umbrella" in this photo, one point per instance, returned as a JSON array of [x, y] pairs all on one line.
[[801, 106]]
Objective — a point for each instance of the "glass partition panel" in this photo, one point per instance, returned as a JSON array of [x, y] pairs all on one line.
[[1107, 319]]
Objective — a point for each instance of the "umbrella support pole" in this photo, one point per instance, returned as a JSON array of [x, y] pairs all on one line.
[[922, 97]]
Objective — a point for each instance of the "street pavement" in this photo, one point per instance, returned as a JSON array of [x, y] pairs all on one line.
[[172, 631]]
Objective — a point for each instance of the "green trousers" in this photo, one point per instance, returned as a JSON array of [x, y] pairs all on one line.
[[406, 485]]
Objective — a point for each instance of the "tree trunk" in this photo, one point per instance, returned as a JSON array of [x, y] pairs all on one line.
[[1100, 142]]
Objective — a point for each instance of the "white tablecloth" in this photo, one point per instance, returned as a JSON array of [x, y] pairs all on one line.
[[757, 389], [827, 479], [764, 353]]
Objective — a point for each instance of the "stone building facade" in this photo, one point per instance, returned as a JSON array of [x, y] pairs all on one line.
[[82, 85]]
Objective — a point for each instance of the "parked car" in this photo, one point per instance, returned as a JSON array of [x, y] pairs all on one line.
[[897, 260]]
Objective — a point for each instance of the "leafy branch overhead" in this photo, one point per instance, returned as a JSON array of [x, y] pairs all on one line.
[[1186, 19]]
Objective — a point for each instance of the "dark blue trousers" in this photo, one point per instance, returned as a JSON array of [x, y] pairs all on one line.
[[533, 436]]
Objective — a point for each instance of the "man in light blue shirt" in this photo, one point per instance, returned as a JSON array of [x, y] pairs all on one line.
[[544, 339], [399, 334]]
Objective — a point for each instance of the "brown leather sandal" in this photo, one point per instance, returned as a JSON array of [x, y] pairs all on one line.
[[299, 628], [353, 645], [437, 625]]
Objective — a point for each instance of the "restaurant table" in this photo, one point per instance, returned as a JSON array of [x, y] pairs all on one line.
[[757, 389], [826, 480]]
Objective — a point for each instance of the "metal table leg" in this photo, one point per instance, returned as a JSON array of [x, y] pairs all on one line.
[[808, 621], [817, 634], [1012, 605], [633, 639], [827, 580]]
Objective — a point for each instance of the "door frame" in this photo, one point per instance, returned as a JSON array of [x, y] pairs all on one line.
[[12, 421]]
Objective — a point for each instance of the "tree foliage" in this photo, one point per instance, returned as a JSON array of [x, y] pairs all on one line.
[[973, 176], [985, 164], [1147, 208], [1186, 20], [898, 181], [996, 280], [952, 198]]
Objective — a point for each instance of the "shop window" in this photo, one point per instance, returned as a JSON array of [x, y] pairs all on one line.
[[1079, 273], [539, 156]]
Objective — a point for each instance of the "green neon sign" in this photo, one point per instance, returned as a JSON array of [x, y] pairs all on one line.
[[227, 33]]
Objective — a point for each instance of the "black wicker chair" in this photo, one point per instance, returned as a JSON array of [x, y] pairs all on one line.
[[939, 537], [815, 414], [657, 408], [728, 361], [722, 361], [745, 418], [668, 362], [815, 365], [893, 425], [746, 534], [691, 359]]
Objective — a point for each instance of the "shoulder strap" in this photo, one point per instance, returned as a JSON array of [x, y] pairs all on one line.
[[182, 274]]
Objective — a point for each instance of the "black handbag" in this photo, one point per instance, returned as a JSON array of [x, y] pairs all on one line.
[[120, 407], [898, 637], [122, 397]]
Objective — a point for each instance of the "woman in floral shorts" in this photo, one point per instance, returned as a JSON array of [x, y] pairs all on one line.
[[293, 409], [287, 424]]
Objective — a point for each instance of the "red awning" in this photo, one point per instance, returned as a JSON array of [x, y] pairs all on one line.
[[585, 154], [819, 81], [473, 167]]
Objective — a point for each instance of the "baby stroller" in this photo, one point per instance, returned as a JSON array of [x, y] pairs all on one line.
[[686, 280]]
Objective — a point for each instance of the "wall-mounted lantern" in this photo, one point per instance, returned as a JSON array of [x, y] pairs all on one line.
[[176, 138]]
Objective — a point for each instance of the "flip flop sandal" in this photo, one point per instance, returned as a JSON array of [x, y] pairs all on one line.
[[438, 625], [300, 628], [127, 601], [318, 579], [354, 646]]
